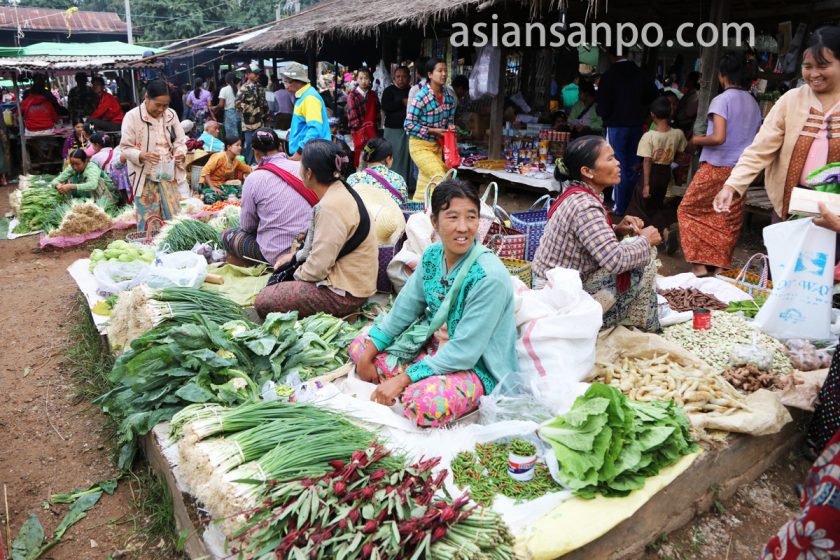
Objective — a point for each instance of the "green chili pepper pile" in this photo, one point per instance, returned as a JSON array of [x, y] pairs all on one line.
[[486, 473]]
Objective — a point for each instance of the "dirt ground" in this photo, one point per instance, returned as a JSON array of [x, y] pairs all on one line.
[[53, 441]]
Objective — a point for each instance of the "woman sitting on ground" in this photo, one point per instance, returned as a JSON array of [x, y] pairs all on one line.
[[84, 179], [376, 160], [276, 207], [464, 298], [336, 267], [579, 235], [223, 173]]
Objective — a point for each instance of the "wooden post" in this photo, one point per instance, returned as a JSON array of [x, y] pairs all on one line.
[[312, 62], [709, 60], [24, 154], [497, 110]]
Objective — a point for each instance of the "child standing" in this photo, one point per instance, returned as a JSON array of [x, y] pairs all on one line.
[[658, 148]]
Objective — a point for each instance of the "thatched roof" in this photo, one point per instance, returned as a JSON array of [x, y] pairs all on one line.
[[361, 18]]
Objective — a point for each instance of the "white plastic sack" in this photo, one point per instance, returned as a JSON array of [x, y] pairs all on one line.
[[419, 235], [802, 264], [183, 269], [558, 328], [113, 277], [484, 77]]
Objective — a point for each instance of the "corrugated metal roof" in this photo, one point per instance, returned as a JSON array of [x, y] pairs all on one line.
[[71, 63], [238, 40], [45, 19]]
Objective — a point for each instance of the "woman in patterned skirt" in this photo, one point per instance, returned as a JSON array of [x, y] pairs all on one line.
[[620, 275], [465, 298], [707, 237]]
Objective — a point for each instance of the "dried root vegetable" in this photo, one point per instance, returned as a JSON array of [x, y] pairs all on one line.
[[663, 379], [750, 379], [83, 218], [714, 346], [688, 299]]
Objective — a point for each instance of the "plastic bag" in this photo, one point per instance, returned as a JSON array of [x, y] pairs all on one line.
[[496, 407], [165, 169], [801, 259], [451, 156], [114, 277], [484, 78], [750, 355], [804, 356], [180, 269]]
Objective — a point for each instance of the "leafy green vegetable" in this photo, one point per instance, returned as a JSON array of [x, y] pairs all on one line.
[[107, 486], [29, 542], [174, 365], [748, 307], [609, 444], [37, 209]]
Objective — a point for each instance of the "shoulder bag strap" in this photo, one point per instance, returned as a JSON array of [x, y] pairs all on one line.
[[292, 181], [564, 196], [385, 183], [108, 159], [442, 313], [362, 231]]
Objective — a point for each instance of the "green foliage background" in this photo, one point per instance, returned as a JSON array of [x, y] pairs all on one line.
[[157, 22]]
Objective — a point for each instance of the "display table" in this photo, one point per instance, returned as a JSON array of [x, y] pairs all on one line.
[[45, 149], [623, 529], [550, 185]]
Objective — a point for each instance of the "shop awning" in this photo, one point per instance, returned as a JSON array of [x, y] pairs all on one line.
[[57, 57]]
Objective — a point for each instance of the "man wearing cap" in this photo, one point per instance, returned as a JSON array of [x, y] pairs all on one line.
[[252, 104], [309, 118]]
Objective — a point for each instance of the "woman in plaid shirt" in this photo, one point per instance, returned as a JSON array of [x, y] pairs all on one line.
[[430, 114], [580, 235]]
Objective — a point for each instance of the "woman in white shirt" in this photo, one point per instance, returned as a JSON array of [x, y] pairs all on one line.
[[227, 99]]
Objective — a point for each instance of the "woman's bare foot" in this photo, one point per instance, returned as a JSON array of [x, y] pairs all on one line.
[[699, 270]]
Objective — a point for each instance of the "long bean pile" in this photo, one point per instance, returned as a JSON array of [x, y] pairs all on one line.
[[486, 474], [714, 346], [688, 299]]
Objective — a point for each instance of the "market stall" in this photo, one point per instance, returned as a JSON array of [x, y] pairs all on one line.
[[224, 403], [66, 58]]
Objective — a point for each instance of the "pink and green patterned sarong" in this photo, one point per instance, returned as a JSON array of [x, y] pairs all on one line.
[[434, 401]]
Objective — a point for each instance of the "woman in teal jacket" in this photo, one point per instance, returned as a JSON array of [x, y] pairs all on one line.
[[472, 350]]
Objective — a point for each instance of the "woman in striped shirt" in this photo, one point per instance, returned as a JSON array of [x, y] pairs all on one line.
[[580, 236], [430, 114]]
